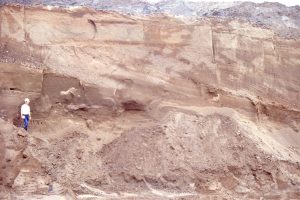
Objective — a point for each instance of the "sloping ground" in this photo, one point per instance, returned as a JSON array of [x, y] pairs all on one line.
[[130, 107], [206, 154], [189, 153]]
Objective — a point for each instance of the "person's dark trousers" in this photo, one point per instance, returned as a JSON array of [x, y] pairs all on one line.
[[26, 122]]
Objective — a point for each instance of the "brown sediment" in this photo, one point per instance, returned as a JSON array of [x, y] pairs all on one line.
[[123, 105]]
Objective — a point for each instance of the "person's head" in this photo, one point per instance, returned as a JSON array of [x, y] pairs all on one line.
[[26, 100]]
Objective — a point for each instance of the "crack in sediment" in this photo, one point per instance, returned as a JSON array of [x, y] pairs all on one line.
[[92, 22], [213, 45]]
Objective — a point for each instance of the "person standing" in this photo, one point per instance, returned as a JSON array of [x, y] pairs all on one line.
[[25, 113]]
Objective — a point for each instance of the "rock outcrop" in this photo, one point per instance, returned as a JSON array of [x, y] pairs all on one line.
[[123, 56], [149, 106], [284, 20]]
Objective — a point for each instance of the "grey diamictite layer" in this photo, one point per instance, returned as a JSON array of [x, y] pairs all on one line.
[[284, 20]]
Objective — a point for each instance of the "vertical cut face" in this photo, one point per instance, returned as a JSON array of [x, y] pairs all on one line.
[[2, 159]]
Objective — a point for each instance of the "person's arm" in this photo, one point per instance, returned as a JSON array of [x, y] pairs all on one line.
[[29, 113], [22, 110]]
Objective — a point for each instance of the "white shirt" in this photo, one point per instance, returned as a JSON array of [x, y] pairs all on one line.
[[25, 109]]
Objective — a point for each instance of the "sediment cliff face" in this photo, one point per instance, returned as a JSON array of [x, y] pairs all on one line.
[[126, 82], [95, 46]]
